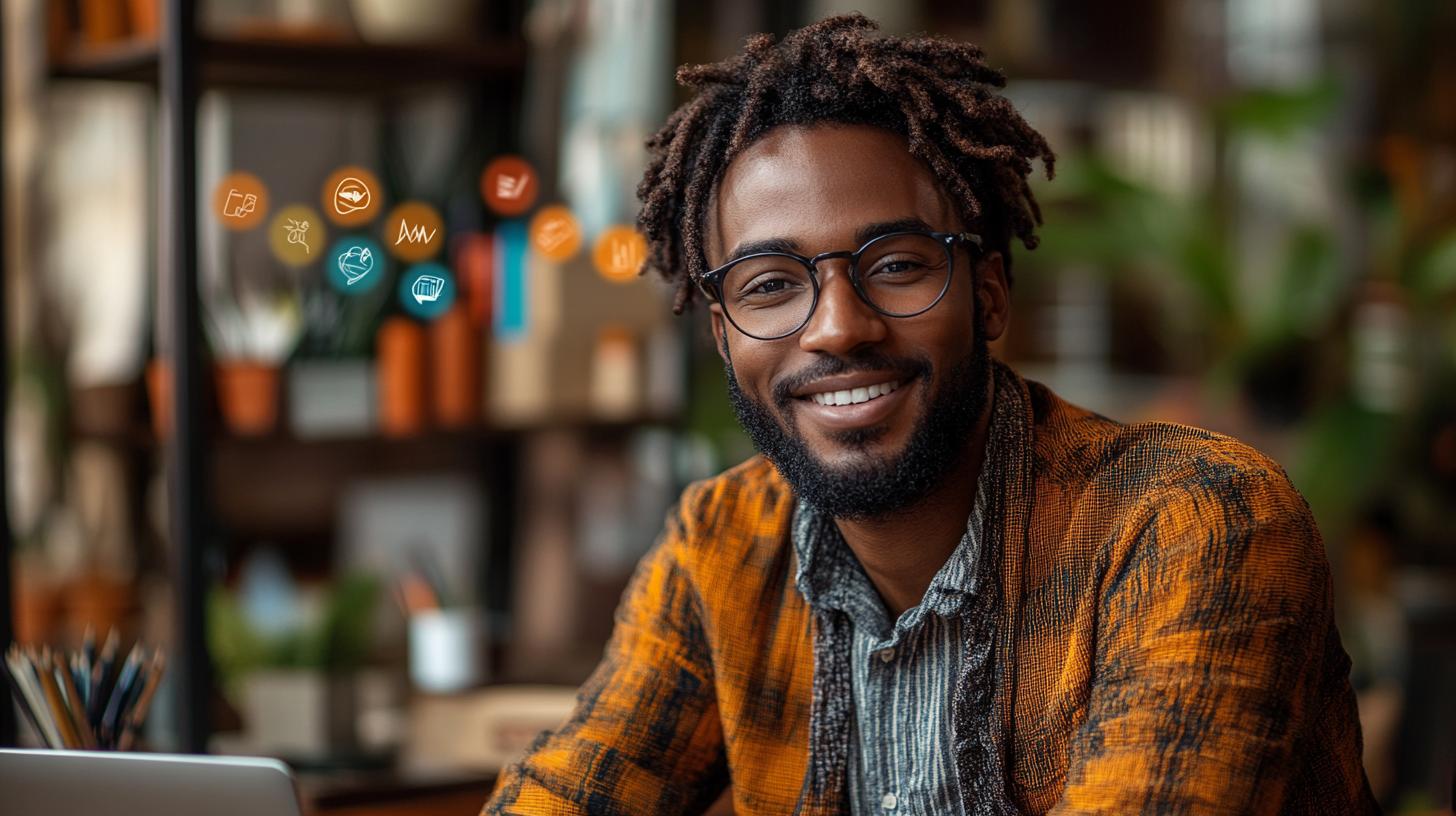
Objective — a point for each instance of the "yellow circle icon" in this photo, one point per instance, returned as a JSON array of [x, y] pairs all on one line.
[[555, 233], [351, 196], [414, 232], [619, 253], [296, 235], [240, 201]]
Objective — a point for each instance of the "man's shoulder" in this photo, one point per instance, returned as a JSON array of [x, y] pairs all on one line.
[[1074, 445], [743, 509]]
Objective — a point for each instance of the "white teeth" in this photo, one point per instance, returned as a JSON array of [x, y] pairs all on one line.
[[856, 395]]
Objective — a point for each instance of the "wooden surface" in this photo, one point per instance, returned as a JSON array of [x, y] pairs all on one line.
[[391, 793]]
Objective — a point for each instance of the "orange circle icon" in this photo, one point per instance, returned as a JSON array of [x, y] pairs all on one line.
[[508, 185], [619, 253], [555, 233], [240, 201], [351, 197], [414, 232]]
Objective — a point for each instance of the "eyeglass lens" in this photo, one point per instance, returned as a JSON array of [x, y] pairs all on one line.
[[771, 295]]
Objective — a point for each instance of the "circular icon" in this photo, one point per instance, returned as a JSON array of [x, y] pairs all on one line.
[[414, 232], [508, 185], [619, 253], [555, 233], [355, 265], [351, 196], [240, 201], [427, 291], [296, 235]]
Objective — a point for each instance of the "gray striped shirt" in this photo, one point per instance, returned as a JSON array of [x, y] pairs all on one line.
[[903, 676]]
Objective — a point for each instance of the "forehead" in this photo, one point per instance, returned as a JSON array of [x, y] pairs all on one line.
[[816, 186]]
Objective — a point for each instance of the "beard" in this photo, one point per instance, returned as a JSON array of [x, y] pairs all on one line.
[[874, 487]]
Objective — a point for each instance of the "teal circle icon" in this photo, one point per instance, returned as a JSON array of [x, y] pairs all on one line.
[[355, 265], [427, 291]]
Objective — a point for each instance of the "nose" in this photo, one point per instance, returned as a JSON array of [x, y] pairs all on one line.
[[842, 322]]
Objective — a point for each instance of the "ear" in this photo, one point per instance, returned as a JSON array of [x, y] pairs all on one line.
[[715, 313], [995, 294]]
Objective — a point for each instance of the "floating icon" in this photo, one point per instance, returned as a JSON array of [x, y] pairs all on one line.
[[298, 232], [555, 233], [355, 263], [508, 185], [239, 205], [293, 234], [348, 196], [427, 288], [619, 253], [351, 195], [240, 201], [415, 234], [426, 291], [413, 231]]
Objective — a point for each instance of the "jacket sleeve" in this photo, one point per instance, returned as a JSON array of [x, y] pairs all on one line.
[[1215, 629], [645, 736]]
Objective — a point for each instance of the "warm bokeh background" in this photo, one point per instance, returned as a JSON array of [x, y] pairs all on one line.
[[1252, 230]]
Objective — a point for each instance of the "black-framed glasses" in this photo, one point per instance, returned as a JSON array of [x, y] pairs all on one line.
[[769, 295]]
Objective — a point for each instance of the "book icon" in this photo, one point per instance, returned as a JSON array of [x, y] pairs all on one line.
[[426, 289]]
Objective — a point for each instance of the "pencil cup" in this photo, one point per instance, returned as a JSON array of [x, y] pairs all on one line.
[[446, 650]]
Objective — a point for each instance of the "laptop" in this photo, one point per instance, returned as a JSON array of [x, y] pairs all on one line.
[[85, 783]]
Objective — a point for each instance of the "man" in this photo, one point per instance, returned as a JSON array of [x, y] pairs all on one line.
[[944, 590]]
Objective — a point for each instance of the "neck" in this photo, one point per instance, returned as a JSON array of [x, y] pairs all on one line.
[[902, 553]]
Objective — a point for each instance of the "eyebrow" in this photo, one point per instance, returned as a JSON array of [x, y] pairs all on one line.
[[863, 236]]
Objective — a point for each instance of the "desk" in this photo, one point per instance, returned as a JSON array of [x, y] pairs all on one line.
[[394, 793]]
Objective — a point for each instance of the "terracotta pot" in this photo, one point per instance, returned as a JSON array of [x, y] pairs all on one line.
[[159, 394], [249, 395], [455, 368], [103, 21], [403, 409], [146, 18]]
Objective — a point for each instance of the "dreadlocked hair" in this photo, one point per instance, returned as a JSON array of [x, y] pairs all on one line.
[[934, 92]]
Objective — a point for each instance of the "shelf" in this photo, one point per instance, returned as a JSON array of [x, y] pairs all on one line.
[[313, 65]]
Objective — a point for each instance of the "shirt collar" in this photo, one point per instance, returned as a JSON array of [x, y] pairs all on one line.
[[829, 576]]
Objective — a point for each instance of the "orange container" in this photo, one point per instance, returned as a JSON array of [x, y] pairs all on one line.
[[248, 392], [103, 21], [455, 368], [159, 394], [146, 18], [403, 392]]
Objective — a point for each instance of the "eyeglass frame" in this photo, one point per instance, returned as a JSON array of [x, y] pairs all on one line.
[[711, 282]]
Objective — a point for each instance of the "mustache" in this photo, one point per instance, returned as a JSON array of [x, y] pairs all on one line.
[[833, 366]]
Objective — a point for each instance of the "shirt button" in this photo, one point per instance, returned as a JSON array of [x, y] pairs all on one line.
[[888, 801], [886, 655]]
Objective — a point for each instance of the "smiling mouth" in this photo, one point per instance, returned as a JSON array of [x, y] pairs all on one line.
[[854, 396]]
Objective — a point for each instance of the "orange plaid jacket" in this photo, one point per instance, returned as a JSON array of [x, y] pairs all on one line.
[[1165, 644]]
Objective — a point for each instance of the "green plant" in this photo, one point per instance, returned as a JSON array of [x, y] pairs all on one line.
[[337, 641]]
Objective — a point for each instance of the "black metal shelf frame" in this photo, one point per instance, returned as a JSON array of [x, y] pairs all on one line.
[[181, 65]]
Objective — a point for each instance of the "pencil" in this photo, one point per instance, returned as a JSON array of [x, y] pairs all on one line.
[[138, 714], [20, 674], [74, 706], [57, 705], [112, 718], [102, 677]]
